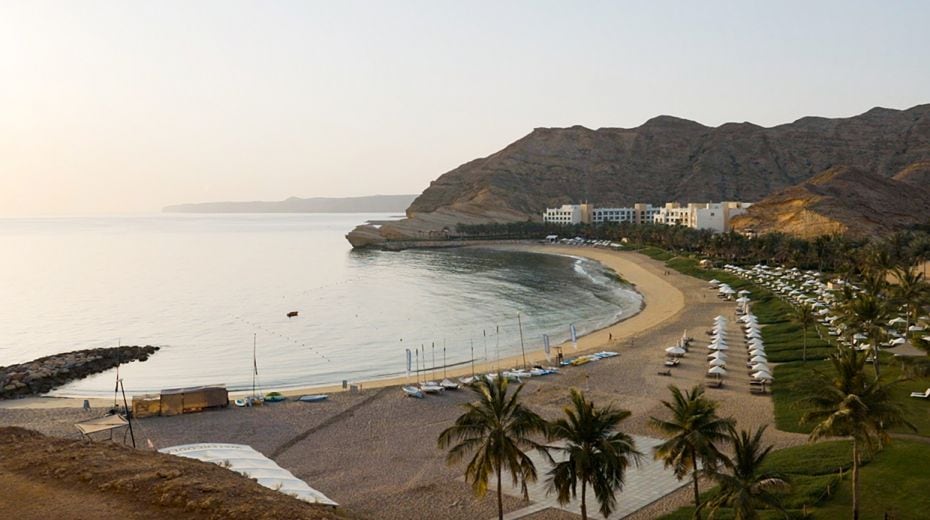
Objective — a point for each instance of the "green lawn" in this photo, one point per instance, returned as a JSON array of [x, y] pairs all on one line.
[[790, 388], [820, 482], [896, 482]]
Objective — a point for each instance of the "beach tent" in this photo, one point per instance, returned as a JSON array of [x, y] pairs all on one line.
[[245, 460], [176, 401]]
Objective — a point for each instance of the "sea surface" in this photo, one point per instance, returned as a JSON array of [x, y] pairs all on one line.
[[209, 288]]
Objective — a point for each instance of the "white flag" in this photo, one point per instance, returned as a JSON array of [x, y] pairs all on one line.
[[574, 336]]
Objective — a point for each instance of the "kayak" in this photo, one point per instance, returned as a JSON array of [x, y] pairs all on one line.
[[312, 398]]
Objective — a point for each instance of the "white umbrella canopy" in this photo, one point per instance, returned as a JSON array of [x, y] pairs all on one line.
[[743, 292], [762, 374], [717, 354], [720, 318], [718, 346], [727, 290], [718, 363], [719, 371], [759, 359], [859, 336], [742, 300], [759, 367], [714, 282], [898, 341], [675, 351], [897, 321], [757, 351]]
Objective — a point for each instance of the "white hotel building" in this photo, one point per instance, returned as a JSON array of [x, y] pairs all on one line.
[[714, 215]]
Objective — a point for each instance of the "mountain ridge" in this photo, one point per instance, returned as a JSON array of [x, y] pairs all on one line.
[[365, 204], [665, 159]]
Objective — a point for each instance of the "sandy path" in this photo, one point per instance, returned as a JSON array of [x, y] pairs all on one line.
[[380, 458]]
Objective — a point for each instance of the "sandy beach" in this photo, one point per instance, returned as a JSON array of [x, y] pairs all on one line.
[[375, 451]]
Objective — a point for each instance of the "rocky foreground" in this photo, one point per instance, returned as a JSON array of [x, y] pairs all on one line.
[[44, 374]]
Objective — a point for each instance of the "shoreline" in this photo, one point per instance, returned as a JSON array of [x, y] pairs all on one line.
[[661, 301]]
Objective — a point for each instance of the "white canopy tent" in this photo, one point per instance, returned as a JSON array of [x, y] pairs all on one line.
[[245, 460]]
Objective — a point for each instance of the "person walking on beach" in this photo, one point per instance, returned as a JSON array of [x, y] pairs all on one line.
[[610, 336]]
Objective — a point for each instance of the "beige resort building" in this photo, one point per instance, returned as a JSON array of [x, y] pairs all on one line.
[[714, 216]]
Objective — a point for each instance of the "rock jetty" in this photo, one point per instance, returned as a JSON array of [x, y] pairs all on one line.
[[44, 374]]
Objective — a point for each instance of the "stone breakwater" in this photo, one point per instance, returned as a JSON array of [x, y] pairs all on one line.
[[44, 374]]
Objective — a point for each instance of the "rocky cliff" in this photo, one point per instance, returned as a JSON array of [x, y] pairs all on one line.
[[665, 159], [842, 200]]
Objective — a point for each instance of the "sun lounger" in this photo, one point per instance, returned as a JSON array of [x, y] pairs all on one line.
[[716, 383], [921, 395], [757, 389]]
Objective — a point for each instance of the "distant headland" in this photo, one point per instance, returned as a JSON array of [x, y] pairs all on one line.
[[369, 204]]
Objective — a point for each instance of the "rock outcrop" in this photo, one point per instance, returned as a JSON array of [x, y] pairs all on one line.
[[842, 200], [665, 159], [44, 374]]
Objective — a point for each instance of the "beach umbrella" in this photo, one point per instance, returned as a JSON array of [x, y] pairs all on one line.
[[717, 371], [915, 328], [718, 346], [720, 318], [743, 292], [727, 290], [926, 338], [742, 300], [714, 282], [675, 351], [718, 363], [859, 336], [763, 375], [759, 367], [717, 355], [758, 359], [898, 341], [897, 321]]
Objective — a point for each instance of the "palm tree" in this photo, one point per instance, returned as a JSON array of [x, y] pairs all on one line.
[[596, 453], [744, 485], [849, 404], [806, 317], [911, 291], [498, 429], [866, 313], [691, 435]]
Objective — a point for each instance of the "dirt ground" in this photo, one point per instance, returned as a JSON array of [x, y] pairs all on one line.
[[45, 477]]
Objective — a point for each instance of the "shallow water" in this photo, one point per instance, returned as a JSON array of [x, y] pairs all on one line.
[[200, 286]]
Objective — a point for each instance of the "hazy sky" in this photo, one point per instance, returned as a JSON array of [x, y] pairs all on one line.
[[128, 106]]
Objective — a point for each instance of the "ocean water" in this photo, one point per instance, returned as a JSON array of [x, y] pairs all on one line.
[[203, 287]]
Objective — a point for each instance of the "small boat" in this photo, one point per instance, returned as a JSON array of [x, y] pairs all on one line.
[[431, 387], [412, 391], [313, 398], [249, 401], [449, 384], [274, 397], [467, 380], [293, 314]]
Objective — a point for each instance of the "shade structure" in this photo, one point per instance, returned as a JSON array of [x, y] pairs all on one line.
[[756, 342], [718, 346], [758, 359], [714, 282], [760, 367], [897, 321], [675, 351], [718, 363], [717, 354], [743, 292], [764, 375], [727, 290], [717, 371]]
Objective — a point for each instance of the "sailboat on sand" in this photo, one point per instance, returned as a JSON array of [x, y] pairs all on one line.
[[255, 399]]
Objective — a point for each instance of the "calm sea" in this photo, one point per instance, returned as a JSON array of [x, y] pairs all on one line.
[[200, 286]]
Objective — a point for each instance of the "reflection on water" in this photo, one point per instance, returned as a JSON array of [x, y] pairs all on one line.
[[200, 286]]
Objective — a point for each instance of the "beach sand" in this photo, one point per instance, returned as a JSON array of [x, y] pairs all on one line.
[[375, 451]]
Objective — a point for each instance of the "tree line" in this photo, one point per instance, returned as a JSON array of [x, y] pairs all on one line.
[[832, 253]]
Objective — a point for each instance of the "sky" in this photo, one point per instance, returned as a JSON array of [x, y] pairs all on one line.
[[122, 106]]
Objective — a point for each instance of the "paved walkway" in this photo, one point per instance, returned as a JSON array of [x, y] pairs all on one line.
[[644, 484]]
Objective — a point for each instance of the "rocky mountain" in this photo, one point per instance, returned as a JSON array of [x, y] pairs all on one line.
[[665, 159], [370, 204], [842, 200]]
